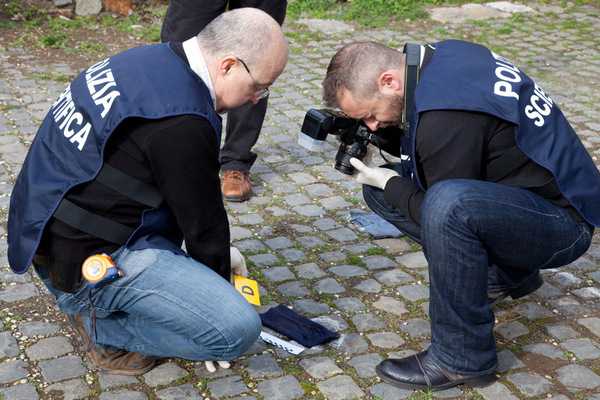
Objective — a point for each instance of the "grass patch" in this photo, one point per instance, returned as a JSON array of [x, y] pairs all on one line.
[[52, 76], [291, 366], [136, 25], [19, 10], [414, 310], [76, 35], [90, 48], [312, 390], [7, 24], [473, 395], [380, 12], [414, 246], [300, 36], [6, 107], [312, 8], [369, 13], [55, 40], [65, 24], [505, 30], [441, 32], [376, 251], [569, 24], [354, 260], [479, 23], [355, 201], [421, 395]]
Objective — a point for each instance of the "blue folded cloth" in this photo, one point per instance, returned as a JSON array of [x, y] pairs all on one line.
[[297, 327], [374, 225]]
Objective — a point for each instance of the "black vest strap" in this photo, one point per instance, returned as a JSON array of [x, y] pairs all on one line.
[[129, 186], [93, 224], [102, 227]]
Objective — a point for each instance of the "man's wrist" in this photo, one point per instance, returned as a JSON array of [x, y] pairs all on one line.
[[396, 190]]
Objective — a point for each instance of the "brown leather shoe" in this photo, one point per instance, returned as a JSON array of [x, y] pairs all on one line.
[[112, 361], [236, 185]]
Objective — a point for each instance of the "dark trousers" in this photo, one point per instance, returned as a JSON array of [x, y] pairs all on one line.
[[467, 226], [184, 19]]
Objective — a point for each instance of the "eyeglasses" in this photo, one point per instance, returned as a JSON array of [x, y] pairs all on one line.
[[259, 94]]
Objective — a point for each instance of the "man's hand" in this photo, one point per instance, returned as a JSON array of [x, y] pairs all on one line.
[[373, 176], [211, 367], [238, 263]]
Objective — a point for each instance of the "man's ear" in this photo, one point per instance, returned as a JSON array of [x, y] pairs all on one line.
[[225, 64], [390, 83]]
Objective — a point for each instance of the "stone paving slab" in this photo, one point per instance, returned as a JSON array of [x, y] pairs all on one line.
[[299, 243]]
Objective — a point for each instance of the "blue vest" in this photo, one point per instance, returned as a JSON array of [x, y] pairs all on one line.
[[149, 82], [467, 76]]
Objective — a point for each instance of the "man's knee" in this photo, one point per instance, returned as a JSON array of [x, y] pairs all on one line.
[[240, 328]]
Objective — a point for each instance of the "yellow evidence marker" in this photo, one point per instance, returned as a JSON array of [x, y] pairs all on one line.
[[248, 288]]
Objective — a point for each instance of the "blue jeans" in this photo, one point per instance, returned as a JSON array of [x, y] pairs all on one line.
[[166, 305], [466, 226]]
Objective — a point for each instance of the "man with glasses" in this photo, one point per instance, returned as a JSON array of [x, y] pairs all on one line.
[[137, 140], [183, 19], [262, 91]]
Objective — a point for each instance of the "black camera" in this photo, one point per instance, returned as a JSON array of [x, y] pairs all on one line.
[[354, 137]]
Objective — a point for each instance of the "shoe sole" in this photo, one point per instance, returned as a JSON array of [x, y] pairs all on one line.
[[117, 371], [477, 381], [127, 372], [238, 199]]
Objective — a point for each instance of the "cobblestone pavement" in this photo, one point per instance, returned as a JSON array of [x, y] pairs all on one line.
[[305, 254]]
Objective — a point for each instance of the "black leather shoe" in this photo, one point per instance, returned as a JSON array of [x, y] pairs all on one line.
[[420, 371], [499, 290]]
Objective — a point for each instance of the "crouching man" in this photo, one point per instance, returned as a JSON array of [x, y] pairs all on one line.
[[494, 183], [126, 163]]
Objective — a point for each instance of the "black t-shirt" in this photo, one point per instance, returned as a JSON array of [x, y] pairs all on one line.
[[178, 155]]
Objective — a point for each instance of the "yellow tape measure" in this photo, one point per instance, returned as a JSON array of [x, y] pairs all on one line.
[[99, 269]]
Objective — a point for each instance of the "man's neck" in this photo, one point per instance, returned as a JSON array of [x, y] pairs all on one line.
[[200, 65]]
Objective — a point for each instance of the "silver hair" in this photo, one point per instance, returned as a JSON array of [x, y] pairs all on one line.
[[245, 33]]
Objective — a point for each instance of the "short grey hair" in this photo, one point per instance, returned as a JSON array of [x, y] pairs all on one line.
[[244, 32], [356, 67]]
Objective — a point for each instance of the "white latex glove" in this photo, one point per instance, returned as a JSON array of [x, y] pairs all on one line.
[[373, 176], [238, 263], [211, 367]]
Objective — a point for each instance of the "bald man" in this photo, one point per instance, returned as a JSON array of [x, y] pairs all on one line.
[[126, 164], [183, 19]]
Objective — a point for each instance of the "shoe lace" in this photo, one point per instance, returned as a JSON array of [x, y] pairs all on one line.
[[237, 175]]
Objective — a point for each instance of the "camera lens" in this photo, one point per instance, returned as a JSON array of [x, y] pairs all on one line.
[[345, 153]]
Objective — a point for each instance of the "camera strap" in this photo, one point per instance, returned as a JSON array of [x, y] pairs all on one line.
[[411, 78]]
